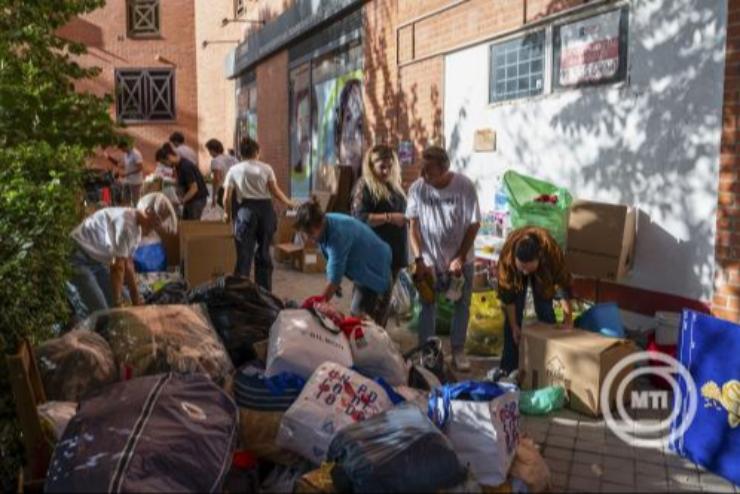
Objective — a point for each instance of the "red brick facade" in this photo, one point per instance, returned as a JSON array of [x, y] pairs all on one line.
[[726, 301], [104, 31]]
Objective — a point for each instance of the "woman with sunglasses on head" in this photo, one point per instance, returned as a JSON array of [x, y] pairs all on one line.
[[379, 200]]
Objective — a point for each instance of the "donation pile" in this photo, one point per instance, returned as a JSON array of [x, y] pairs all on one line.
[[176, 398]]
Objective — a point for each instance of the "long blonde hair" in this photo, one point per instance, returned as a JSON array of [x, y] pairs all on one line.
[[379, 190]]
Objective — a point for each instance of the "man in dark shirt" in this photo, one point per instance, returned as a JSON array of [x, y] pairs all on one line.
[[190, 180]]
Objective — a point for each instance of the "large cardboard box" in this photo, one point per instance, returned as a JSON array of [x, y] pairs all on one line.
[[601, 240], [193, 228], [577, 360], [206, 257]]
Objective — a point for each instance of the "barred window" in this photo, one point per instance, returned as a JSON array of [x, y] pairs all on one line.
[[144, 95], [143, 18]]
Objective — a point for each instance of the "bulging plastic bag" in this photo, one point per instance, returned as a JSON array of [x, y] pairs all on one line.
[[542, 401], [241, 311], [376, 354], [403, 296], [486, 325], [481, 419], [75, 364], [399, 450], [152, 339], [299, 343], [332, 399], [527, 208]]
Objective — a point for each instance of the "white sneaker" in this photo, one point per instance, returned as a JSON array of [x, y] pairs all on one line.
[[459, 361]]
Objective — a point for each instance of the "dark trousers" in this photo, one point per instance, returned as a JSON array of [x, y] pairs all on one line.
[[193, 209], [545, 313], [255, 223], [375, 305]]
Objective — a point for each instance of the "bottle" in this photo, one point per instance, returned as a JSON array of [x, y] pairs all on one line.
[[425, 287]]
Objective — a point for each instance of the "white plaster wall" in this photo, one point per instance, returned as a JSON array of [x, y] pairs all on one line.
[[652, 142]]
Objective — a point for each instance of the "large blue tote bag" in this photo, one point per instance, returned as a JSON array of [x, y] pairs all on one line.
[[710, 350]]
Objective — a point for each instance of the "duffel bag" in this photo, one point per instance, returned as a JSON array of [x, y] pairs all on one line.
[[161, 433]]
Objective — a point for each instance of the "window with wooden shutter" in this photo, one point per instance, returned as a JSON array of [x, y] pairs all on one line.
[[145, 95], [143, 18]]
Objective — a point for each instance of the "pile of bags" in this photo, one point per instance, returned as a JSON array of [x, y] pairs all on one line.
[[165, 394]]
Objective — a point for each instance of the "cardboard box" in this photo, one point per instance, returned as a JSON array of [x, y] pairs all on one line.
[[192, 228], [601, 240], [577, 360], [311, 261], [206, 257]]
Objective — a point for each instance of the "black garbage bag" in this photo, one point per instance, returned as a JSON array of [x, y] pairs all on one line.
[[399, 450], [241, 311], [161, 433]]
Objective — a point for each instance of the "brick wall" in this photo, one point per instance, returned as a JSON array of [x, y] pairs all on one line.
[[273, 116], [726, 301], [105, 34], [381, 81]]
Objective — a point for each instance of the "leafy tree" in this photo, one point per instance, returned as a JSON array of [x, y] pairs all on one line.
[[47, 132]]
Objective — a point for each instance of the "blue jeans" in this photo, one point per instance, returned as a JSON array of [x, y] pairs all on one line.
[[91, 279], [255, 223], [459, 329], [545, 313]]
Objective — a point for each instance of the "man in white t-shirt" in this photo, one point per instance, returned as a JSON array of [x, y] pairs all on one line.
[[444, 218], [104, 246], [221, 163], [178, 144], [130, 171], [249, 189]]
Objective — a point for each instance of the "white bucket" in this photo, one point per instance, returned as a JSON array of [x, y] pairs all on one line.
[[666, 330]]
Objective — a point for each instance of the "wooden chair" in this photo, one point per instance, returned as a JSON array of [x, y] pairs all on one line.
[[28, 392]]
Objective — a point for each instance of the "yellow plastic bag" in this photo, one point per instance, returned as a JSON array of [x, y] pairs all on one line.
[[486, 325]]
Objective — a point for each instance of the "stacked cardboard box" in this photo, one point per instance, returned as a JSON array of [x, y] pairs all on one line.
[[207, 250]]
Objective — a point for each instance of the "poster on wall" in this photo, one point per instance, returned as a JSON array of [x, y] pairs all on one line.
[[300, 134], [337, 136], [406, 153], [591, 51]]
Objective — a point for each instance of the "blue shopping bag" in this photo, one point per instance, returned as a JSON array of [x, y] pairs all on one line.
[[710, 350], [150, 258]]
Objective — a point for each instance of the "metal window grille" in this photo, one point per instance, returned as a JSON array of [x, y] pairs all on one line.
[[518, 67], [143, 18], [145, 95]]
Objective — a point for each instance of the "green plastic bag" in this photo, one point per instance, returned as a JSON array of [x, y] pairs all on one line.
[[445, 311], [522, 192], [542, 401]]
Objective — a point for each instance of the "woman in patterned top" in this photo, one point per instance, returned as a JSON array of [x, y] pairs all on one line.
[[379, 200], [531, 255]]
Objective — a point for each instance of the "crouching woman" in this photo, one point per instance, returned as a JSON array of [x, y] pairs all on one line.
[[353, 250], [104, 245]]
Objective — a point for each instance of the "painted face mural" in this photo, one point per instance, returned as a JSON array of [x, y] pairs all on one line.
[[349, 126]]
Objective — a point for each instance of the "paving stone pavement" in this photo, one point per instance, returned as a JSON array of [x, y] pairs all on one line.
[[582, 453]]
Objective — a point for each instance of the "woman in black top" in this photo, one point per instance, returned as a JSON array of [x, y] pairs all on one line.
[[379, 200]]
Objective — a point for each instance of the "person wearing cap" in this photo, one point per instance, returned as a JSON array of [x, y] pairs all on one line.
[[104, 245], [531, 256]]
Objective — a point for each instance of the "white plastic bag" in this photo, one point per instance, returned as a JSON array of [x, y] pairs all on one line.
[[483, 430], [299, 344], [375, 353], [333, 398]]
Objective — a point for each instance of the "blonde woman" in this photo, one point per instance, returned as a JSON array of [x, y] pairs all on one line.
[[379, 201]]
